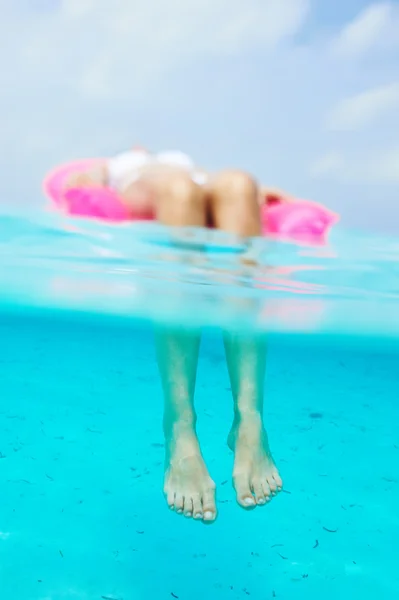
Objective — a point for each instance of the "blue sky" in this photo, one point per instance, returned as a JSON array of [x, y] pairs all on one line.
[[303, 93]]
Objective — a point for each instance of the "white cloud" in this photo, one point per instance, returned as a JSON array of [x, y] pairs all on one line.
[[76, 9], [89, 52], [362, 110], [116, 48], [384, 168], [366, 31], [359, 167], [326, 164]]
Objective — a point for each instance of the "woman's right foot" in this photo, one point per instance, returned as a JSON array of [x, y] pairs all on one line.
[[188, 487]]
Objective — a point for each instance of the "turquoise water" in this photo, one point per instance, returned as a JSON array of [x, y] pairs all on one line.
[[81, 450]]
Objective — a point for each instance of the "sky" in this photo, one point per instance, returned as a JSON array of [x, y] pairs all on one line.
[[304, 94]]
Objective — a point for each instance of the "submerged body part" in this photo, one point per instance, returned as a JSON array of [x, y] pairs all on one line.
[[230, 200], [170, 189]]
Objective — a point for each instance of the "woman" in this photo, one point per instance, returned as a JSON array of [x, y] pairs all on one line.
[[169, 187]]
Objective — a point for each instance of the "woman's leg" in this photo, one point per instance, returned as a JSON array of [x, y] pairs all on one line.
[[188, 486], [234, 207]]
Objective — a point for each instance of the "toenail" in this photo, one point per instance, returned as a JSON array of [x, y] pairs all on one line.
[[208, 515], [198, 516], [261, 501], [249, 501], [188, 514]]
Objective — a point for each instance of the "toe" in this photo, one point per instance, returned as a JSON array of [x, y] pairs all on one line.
[[278, 480], [244, 495], [209, 505], [258, 492], [198, 512], [179, 503], [170, 499], [188, 507], [267, 492], [274, 482]]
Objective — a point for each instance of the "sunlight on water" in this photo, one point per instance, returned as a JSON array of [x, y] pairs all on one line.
[[350, 285]]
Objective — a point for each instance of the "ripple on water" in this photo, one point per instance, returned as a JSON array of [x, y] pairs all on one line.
[[197, 277]]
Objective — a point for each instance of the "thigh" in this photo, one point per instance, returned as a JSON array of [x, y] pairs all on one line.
[[233, 203], [162, 192], [140, 196]]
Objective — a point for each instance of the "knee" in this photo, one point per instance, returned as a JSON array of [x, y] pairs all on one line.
[[180, 202], [236, 183], [234, 204], [181, 188]]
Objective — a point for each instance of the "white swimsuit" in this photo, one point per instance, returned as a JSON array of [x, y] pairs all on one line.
[[128, 167]]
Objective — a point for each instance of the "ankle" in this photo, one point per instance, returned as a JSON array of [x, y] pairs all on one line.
[[184, 427], [181, 442], [252, 419]]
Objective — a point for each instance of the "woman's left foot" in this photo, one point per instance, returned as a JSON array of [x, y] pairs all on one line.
[[255, 476]]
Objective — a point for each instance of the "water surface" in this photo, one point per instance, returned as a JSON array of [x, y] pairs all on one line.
[[82, 515]]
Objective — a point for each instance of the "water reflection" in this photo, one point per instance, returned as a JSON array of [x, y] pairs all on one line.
[[192, 276]]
